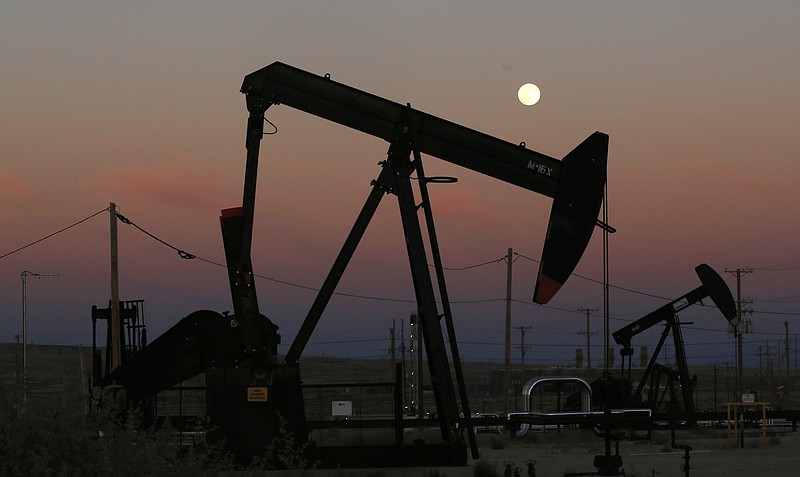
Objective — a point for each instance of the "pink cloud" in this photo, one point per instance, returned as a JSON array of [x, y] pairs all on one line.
[[12, 186], [459, 205], [174, 184]]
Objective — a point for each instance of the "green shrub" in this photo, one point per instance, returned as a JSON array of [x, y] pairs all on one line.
[[43, 439], [485, 469], [283, 452]]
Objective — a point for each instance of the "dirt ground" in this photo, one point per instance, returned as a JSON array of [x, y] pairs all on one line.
[[710, 455], [572, 453]]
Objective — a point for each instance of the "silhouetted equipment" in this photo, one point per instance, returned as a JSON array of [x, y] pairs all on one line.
[[712, 286], [238, 353], [132, 332], [576, 183]]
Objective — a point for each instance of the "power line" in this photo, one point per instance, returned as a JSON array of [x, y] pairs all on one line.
[[781, 267], [181, 253], [782, 313], [189, 256], [601, 283], [186, 255], [459, 269], [366, 340], [52, 234]]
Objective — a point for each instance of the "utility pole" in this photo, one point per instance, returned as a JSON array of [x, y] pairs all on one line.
[[116, 342], [507, 380], [392, 352], [522, 349], [403, 361], [715, 388], [417, 383], [588, 334], [606, 296], [24, 277], [728, 382], [770, 374], [760, 353], [786, 350], [738, 328]]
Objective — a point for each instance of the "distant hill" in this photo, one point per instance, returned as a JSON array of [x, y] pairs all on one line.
[[54, 372]]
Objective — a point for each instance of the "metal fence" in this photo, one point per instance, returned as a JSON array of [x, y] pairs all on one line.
[[340, 414], [351, 413]]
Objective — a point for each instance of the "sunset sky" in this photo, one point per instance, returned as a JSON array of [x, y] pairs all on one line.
[[138, 103]]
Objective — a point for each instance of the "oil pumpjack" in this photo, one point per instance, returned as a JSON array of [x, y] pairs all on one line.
[[249, 389], [712, 286]]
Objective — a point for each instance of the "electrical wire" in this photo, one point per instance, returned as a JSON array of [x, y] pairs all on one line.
[[52, 234], [186, 255], [460, 269], [369, 340], [781, 267], [190, 256], [181, 253], [601, 283]]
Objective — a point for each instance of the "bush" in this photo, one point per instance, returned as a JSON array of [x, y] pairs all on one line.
[[283, 452], [485, 469], [40, 439]]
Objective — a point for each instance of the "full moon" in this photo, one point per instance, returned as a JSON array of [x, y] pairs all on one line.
[[529, 94]]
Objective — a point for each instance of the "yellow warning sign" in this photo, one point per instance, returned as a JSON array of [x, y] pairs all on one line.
[[257, 394]]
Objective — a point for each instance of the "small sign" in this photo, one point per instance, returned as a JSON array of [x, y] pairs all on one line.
[[257, 394], [748, 397], [341, 408]]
